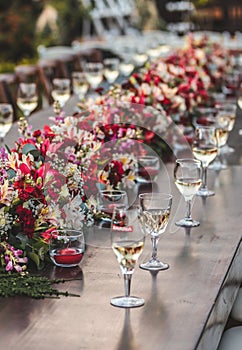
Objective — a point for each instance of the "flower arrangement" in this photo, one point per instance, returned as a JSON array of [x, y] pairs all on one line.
[[51, 177]]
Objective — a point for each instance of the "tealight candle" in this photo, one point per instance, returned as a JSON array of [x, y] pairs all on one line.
[[67, 247]]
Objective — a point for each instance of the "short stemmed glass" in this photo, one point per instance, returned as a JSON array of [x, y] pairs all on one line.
[[127, 243], [205, 149], [61, 91], [27, 98], [154, 213], [6, 120], [188, 179]]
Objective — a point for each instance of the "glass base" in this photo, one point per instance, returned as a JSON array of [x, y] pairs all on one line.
[[205, 193], [187, 223], [127, 302], [154, 265]]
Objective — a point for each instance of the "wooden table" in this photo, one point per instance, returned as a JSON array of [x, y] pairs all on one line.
[[186, 306]]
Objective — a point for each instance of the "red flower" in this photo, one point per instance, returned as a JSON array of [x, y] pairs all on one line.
[[26, 220]]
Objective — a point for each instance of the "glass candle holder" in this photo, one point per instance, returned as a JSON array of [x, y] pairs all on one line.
[[66, 247]]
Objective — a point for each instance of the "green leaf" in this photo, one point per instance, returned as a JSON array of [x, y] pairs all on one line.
[[28, 148], [35, 258]]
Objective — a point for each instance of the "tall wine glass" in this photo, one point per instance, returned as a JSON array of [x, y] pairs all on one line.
[[6, 120], [154, 213], [127, 243], [188, 179], [61, 91], [27, 98], [205, 149]]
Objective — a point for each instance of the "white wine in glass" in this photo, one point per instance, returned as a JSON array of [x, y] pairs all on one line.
[[188, 179], [205, 149], [111, 69], [94, 73], [6, 120], [61, 91], [127, 244], [27, 98], [154, 213]]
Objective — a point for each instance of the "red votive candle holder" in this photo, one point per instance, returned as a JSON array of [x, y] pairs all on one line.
[[66, 247]]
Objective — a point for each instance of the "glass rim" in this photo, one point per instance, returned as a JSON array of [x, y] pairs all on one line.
[[155, 194], [188, 160], [115, 192], [63, 232]]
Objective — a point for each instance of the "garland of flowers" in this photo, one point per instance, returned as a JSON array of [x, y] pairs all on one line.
[[50, 178]]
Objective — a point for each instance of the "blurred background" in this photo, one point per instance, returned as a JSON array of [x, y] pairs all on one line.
[[27, 26]]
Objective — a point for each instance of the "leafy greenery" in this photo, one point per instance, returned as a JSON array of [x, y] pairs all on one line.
[[37, 287]]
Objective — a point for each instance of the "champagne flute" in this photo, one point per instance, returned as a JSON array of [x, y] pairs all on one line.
[[205, 149], [6, 120], [27, 98], [111, 69], [61, 91], [127, 243], [154, 213], [188, 179]]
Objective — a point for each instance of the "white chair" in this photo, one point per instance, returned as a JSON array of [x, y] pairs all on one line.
[[231, 339]]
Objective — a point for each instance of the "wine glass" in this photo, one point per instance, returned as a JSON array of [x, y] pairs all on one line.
[[94, 73], [222, 133], [61, 91], [27, 98], [127, 243], [111, 69], [205, 149], [6, 120], [154, 213], [188, 179], [79, 84], [107, 201], [226, 114]]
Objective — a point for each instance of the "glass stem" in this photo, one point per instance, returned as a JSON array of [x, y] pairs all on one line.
[[204, 178], [154, 247], [188, 211], [127, 283]]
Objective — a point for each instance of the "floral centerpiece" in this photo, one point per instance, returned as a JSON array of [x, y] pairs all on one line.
[[51, 177]]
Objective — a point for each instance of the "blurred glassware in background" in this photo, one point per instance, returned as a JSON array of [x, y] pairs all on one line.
[[6, 120], [27, 98]]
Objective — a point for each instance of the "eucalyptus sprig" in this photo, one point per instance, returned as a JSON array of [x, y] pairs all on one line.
[[37, 287]]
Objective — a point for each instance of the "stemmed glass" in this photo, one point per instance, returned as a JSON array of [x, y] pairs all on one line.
[[111, 69], [188, 179], [127, 243], [79, 84], [226, 113], [222, 133], [27, 98], [61, 91], [205, 149], [94, 73], [6, 120], [154, 213]]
